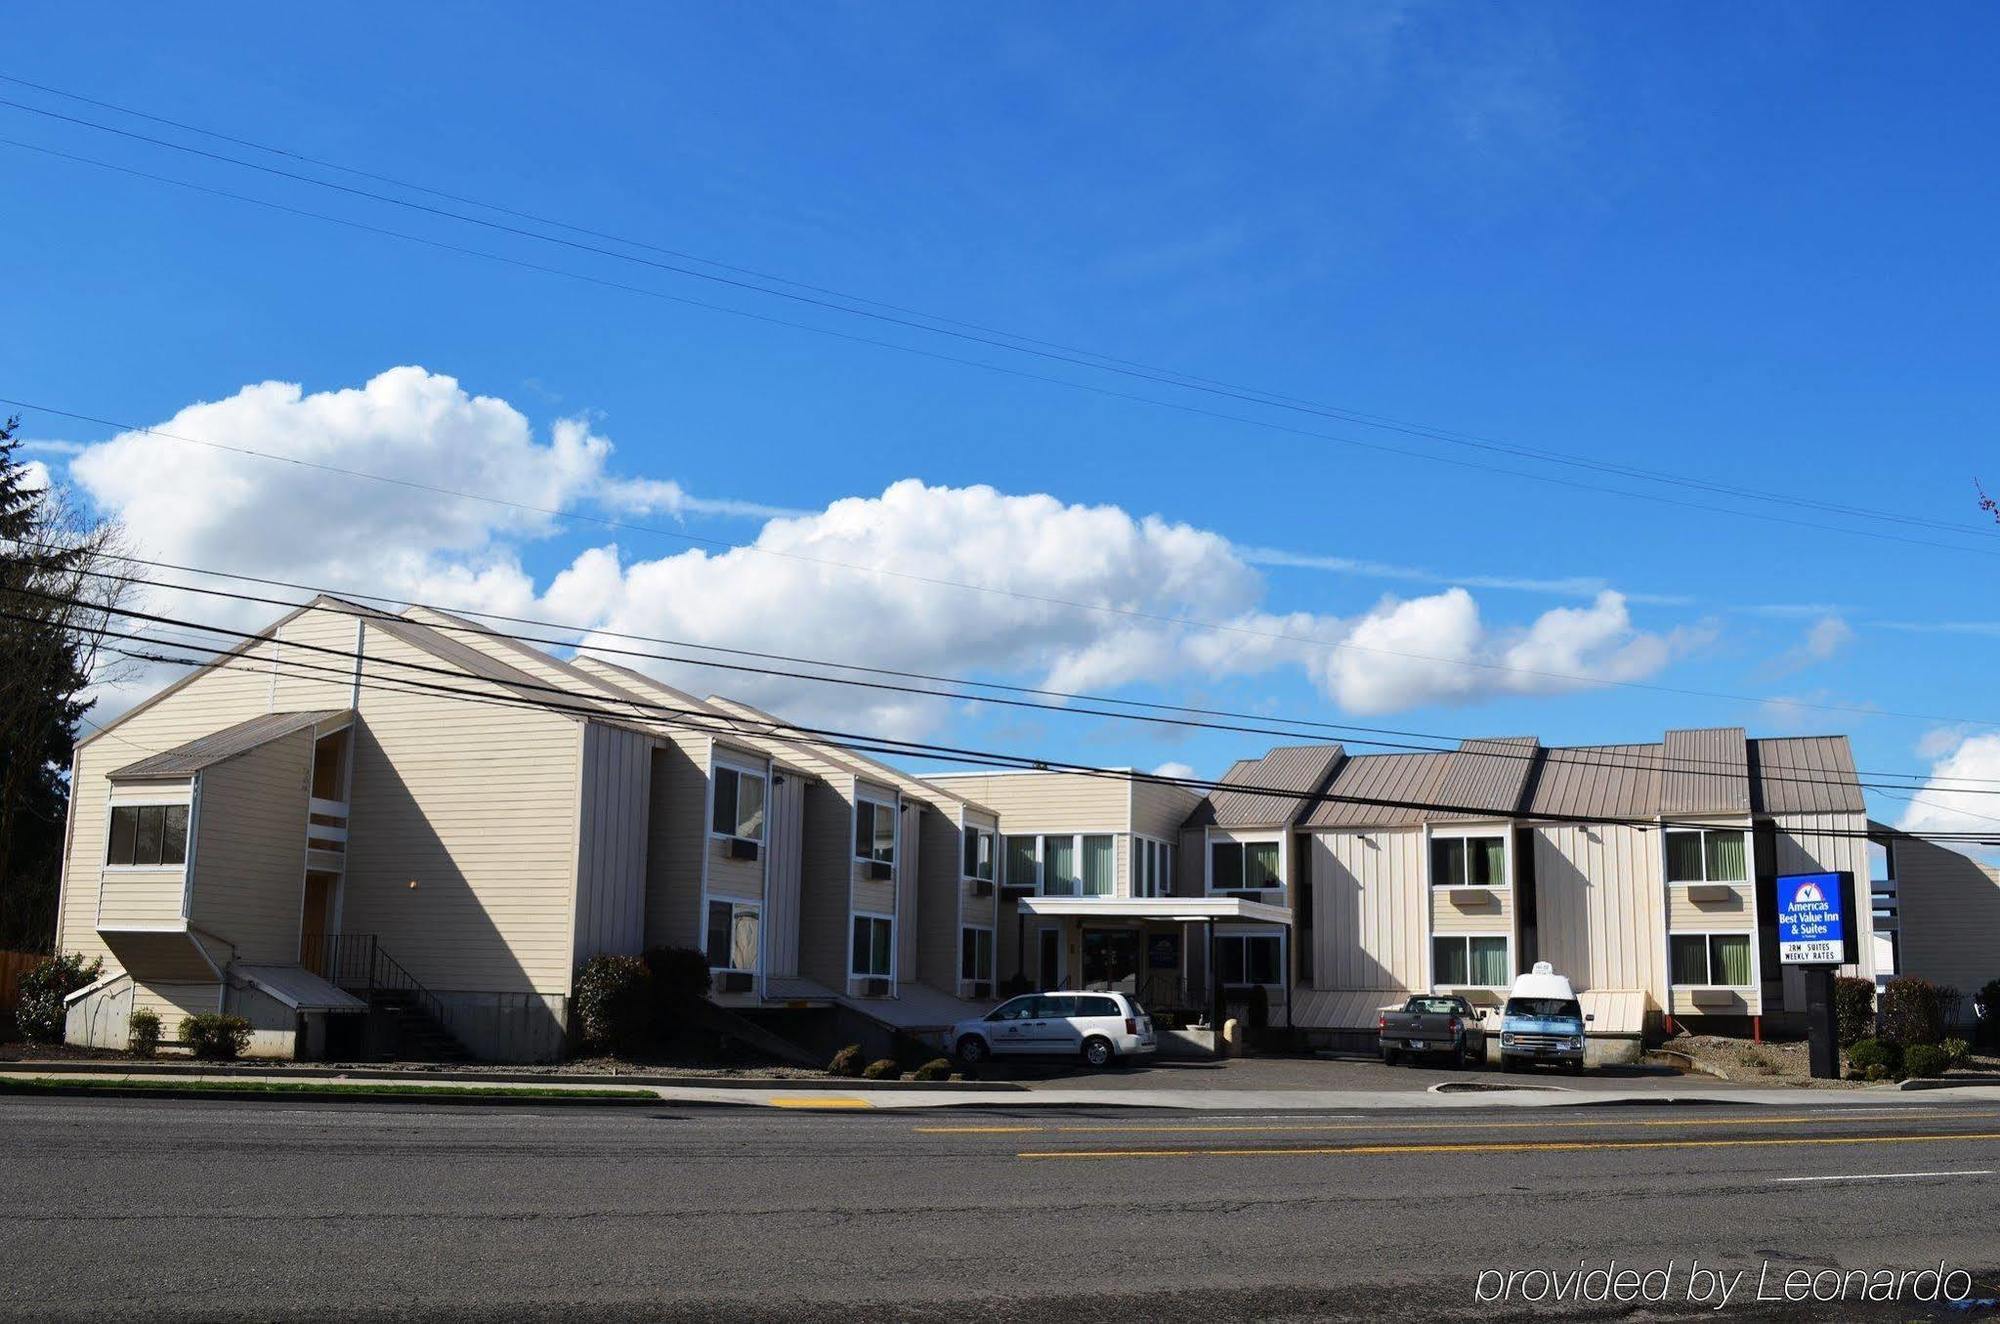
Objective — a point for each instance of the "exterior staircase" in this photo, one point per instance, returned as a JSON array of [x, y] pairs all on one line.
[[402, 1029], [406, 1022]]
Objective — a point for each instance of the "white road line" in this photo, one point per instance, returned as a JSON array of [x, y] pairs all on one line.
[[1889, 1176]]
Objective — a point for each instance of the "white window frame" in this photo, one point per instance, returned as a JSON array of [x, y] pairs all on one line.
[[972, 832], [1243, 935], [992, 954], [1075, 840], [149, 800], [1154, 876], [740, 770], [736, 908], [1470, 833], [1749, 858], [1708, 958], [890, 920], [1253, 839], [1466, 938], [896, 831]]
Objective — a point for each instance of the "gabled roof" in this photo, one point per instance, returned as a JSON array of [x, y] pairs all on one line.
[[1284, 780], [1804, 775], [1597, 781], [1706, 771], [1364, 783], [1488, 778], [206, 751]]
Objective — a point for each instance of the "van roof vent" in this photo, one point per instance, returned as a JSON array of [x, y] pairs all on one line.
[[1544, 968]]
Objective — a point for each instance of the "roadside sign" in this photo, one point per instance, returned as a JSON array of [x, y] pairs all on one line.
[[1812, 918]]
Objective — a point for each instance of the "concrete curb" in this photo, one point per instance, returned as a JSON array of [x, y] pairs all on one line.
[[112, 1089], [1686, 1062], [1948, 1082], [169, 1070]]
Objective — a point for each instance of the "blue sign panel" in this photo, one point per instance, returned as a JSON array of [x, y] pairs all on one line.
[[1812, 928]]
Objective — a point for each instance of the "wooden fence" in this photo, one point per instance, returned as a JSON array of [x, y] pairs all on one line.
[[12, 966]]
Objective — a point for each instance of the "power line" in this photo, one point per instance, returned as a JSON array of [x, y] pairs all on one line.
[[904, 317], [984, 366]]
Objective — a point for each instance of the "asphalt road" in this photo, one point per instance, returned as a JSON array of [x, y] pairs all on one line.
[[135, 1211]]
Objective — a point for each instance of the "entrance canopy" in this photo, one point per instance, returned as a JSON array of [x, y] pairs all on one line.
[[1169, 909]]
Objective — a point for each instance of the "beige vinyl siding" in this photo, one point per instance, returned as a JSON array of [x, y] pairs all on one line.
[[1735, 912], [1949, 909], [1047, 801], [1598, 906], [826, 885], [249, 851], [1368, 909], [613, 798], [315, 662], [1191, 863], [784, 823], [141, 898], [1472, 910], [165, 957], [1159, 810], [1730, 1002], [733, 880], [939, 867], [873, 896], [172, 1001], [909, 892], [676, 837], [477, 805]]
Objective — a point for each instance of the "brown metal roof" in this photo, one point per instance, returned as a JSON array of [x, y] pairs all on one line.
[[207, 751], [1294, 772], [1597, 781], [1365, 781], [1706, 771], [1804, 775], [1488, 777]]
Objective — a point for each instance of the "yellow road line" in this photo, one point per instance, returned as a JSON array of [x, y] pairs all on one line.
[[818, 1101], [1496, 1147], [1280, 1128]]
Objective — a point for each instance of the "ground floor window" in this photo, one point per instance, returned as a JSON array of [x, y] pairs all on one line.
[[1249, 958], [975, 955], [1471, 962], [733, 936], [874, 947], [1711, 958]]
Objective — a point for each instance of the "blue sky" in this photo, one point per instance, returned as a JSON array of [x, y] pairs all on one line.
[[1747, 246]]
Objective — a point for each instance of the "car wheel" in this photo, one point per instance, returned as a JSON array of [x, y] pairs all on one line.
[[972, 1050], [1097, 1051]]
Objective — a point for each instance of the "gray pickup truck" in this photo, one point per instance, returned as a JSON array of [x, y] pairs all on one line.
[[1433, 1026]]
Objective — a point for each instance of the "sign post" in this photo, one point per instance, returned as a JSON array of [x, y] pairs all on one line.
[[1815, 935]]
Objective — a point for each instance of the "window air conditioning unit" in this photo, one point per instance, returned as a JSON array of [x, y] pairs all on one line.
[[881, 870], [874, 988], [742, 848], [982, 887], [982, 989], [738, 981]]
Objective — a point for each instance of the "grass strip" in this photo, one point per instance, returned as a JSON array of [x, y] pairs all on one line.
[[297, 1088]]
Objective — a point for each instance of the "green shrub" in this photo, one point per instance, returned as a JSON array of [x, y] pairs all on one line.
[[40, 1010], [680, 977], [214, 1036], [938, 1068], [1866, 1054], [1877, 1072], [144, 1033], [613, 1002], [1853, 1008], [847, 1062], [1957, 1050], [882, 1068], [1914, 1010], [1926, 1060]]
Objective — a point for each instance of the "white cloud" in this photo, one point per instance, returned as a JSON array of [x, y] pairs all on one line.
[[1956, 796], [1827, 636], [1181, 771]]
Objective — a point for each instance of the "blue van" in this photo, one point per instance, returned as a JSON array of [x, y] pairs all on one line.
[[1542, 1022]]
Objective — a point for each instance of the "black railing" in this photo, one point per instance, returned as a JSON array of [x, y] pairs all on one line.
[[356, 962]]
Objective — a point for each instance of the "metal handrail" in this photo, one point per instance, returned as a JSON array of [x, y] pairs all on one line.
[[357, 963]]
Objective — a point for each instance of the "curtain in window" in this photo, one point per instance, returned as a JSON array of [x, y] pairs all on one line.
[[1260, 865], [1487, 860], [1021, 862], [743, 941], [1729, 958], [1100, 865], [1683, 857], [1489, 961], [1689, 954], [750, 807], [1724, 852], [1059, 866], [1448, 961], [1447, 862]]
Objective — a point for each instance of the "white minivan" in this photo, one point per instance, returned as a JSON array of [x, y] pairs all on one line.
[[1099, 1027]]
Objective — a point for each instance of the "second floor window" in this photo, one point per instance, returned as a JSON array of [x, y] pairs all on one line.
[[1707, 855], [979, 854], [148, 836], [1468, 862], [1242, 865], [874, 831], [739, 804]]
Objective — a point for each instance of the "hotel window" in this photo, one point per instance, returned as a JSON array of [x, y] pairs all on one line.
[[1469, 962], [1059, 866], [1100, 865], [874, 831], [874, 947], [1468, 861], [1707, 855], [732, 936], [1235, 866], [1718, 959], [975, 955], [1249, 958], [1024, 862], [739, 804], [1152, 867], [979, 854], [148, 836]]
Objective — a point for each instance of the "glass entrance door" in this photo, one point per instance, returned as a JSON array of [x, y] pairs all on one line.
[[1111, 960]]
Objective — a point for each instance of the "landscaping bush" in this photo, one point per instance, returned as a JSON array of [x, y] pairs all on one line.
[[214, 1036], [680, 977], [1926, 1060], [1957, 1050], [1853, 1008], [1914, 1010], [882, 1068], [847, 1062], [144, 1033], [938, 1068], [40, 1009], [613, 1002], [1865, 1055]]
